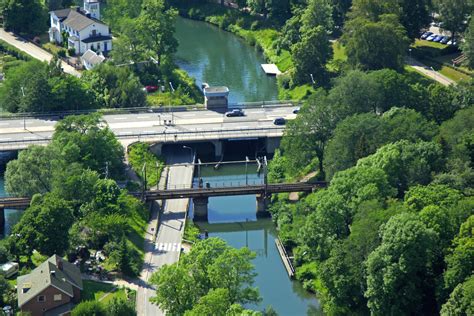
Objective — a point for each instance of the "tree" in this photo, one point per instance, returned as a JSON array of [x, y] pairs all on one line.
[[355, 137], [33, 171], [210, 266], [44, 226], [460, 262], [419, 196], [216, 302], [310, 56], [454, 14], [27, 89], [406, 163], [120, 307], [306, 136], [89, 308], [414, 16], [460, 300], [318, 13], [468, 45], [84, 139], [376, 45], [442, 102], [398, 271], [25, 16], [259, 7], [69, 93], [402, 123], [115, 87], [155, 26], [373, 9]]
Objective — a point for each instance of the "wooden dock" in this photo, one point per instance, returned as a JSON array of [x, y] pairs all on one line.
[[271, 69], [284, 257]]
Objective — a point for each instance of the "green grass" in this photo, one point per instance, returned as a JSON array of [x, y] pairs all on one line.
[[445, 70], [296, 93], [138, 155], [339, 52], [422, 43], [95, 290], [52, 48]]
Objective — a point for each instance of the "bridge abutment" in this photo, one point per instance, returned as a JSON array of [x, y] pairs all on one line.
[[200, 208], [218, 148], [156, 148], [262, 203], [272, 144]]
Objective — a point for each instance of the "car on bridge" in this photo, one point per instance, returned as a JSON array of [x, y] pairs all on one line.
[[234, 113], [279, 121]]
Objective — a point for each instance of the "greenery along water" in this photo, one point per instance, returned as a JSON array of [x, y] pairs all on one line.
[[220, 58], [11, 216], [233, 219]]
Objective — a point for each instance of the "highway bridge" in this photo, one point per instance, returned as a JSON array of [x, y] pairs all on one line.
[[164, 127], [199, 195]]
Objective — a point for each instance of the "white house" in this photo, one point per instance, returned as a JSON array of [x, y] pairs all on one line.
[[83, 28]]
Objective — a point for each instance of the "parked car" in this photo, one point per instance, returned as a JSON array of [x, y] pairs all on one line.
[[235, 112], [453, 43], [279, 121], [150, 89], [425, 35], [445, 40], [438, 38], [296, 110], [431, 37]]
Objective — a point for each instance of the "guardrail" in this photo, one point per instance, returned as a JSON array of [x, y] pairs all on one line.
[[166, 137], [162, 109]]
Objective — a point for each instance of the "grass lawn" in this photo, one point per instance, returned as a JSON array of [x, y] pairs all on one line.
[[103, 292], [447, 71], [339, 51], [422, 43], [52, 48]]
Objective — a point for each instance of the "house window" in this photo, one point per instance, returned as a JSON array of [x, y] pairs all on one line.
[[57, 297], [94, 32], [41, 298]]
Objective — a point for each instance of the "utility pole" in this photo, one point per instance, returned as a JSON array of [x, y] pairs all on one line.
[[246, 166], [171, 93], [157, 175], [144, 179], [24, 116]]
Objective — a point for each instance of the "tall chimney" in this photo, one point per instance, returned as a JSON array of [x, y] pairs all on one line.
[[59, 263]]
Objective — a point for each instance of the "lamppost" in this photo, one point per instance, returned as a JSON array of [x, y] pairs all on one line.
[[157, 175], [434, 72], [24, 116], [171, 93], [409, 51], [246, 175], [312, 78]]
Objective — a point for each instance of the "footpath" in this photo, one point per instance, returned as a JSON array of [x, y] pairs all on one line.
[[165, 231], [427, 71], [34, 51]]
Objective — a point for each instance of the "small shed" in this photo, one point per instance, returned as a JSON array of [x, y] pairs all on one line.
[[9, 269], [90, 59], [216, 97]]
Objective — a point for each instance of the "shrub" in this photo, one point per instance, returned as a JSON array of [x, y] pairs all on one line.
[[71, 51], [62, 52]]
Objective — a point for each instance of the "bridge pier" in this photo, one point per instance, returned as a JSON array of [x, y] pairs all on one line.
[[200, 208], [272, 144], [156, 148], [217, 148], [2, 219], [262, 203]]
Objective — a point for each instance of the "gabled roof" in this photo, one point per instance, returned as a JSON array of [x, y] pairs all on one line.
[[49, 274], [92, 58], [75, 18]]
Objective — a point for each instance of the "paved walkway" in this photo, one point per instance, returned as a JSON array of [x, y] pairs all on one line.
[[427, 71], [164, 248], [34, 51]]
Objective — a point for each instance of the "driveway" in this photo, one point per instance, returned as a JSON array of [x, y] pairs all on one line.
[[427, 71], [34, 51]]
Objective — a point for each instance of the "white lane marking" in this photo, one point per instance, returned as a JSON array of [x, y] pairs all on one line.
[[188, 115], [210, 114], [30, 137], [168, 246], [4, 139], [119, 118], [143, 117]]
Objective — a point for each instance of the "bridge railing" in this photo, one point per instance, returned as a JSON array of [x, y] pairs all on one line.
[[161, 109], [166, 136]]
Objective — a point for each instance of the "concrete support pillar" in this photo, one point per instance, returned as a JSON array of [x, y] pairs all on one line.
[[272, 144], [200, 208], [156, 148], [2, 219], [262, 203], [217, 148]]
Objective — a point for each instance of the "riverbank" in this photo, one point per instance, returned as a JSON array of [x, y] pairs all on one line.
[[256, 32]]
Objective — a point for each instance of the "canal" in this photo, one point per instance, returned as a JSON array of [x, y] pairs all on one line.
[[233, 218], [220, 58], [11, 216]]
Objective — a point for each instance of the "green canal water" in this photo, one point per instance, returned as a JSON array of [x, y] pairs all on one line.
[[220, 58], [11, 216], [233, 218]]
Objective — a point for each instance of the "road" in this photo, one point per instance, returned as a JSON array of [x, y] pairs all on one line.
[[32, 130], [34, 51], [165, 249], [427, 71]]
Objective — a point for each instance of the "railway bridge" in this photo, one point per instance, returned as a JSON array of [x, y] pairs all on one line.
[[199, 195]]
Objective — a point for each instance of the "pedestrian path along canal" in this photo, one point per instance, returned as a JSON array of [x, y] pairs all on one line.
[[233, 218]]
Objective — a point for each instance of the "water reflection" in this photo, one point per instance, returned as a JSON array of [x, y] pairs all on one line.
[[217, 57]]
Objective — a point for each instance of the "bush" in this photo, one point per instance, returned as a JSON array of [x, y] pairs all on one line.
[[89, 308], [71, 51], [284, 80], [62, 52]]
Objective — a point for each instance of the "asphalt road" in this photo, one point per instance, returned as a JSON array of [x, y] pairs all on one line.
[[166, 248], [124, 125]]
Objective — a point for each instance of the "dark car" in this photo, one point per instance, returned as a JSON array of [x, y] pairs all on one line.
[[425, 35], [235, 112], [296, 111], [150, 89], [438, 38], [279, 121]]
